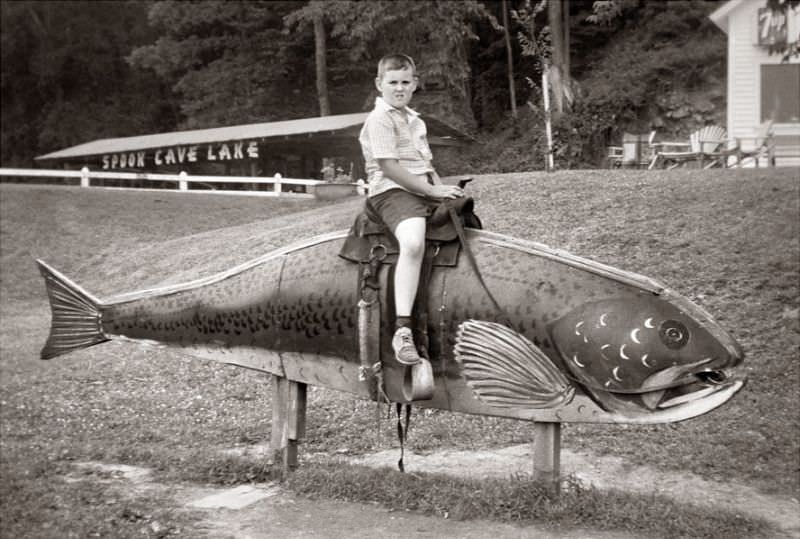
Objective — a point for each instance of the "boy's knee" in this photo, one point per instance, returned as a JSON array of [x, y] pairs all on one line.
[[412, 246]]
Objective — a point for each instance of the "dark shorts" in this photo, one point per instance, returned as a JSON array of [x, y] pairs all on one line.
[[397, 205]]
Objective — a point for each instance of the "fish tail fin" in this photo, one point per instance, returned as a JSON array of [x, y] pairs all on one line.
[[77, 321]]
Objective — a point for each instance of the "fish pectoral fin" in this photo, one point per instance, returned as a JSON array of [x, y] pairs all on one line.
[[503, 368]]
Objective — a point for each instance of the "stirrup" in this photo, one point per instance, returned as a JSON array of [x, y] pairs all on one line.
[[418, 383]]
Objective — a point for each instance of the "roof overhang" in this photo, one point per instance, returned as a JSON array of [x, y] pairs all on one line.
[[721, 15], [294, 131]]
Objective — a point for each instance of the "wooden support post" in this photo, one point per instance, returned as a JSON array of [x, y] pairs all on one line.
[[280, 395], [547, 452], [296, 423], [288, 421]]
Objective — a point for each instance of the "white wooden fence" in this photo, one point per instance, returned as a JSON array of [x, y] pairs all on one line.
[[181, 181]]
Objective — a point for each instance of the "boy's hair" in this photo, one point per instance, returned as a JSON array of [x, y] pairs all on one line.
[[395, 61]]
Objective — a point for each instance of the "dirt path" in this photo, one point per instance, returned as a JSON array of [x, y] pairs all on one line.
[[283, 515], [608, 472], [266, 511]]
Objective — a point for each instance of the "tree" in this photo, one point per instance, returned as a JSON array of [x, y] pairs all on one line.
[[64, 78], [314, 14], [320, 60], [548, 45], [231, 62], [361, 32], [510, 61], [559, 47], [532, 38], [608, 11], [242, 60]]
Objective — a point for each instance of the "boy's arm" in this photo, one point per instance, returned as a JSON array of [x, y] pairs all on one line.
[[392, 169]]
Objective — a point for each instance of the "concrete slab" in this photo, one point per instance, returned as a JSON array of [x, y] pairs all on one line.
[[236, 498]]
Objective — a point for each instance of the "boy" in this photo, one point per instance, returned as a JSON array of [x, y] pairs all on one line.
[[403, 186]]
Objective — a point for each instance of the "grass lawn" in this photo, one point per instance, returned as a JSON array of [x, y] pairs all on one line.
[[729, 240]]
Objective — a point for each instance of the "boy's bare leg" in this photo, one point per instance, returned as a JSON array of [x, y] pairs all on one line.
[[410, 234]]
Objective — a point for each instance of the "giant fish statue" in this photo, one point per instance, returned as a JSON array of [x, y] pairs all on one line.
[[577, 340]]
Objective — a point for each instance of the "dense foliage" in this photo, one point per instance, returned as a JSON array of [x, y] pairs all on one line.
[[664, 69], [439, 38], [76, 71], [64, 80], [229, 62]]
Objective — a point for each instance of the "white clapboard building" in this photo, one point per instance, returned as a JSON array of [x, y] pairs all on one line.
[[763, 88]]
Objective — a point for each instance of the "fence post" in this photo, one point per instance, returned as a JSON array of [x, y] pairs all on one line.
[[183, 185], [278, 188], [85, 177]]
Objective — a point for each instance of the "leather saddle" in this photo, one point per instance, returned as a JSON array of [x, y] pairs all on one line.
[[372, 246], [369, 236]]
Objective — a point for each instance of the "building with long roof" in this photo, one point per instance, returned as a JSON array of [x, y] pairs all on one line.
[[292, 148]]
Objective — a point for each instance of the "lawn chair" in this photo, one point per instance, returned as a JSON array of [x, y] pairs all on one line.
[[703, 146], [752, 149], [636, 151]]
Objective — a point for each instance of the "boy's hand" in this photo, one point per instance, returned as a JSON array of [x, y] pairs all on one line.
[[442, 192], [419, 183]]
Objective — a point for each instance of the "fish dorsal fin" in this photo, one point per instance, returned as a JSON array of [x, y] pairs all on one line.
[[505, 369]]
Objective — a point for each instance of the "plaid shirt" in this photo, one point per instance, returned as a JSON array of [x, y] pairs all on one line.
[[391, 133]]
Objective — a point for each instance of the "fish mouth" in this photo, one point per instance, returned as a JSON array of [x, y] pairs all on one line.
[[688, 388]]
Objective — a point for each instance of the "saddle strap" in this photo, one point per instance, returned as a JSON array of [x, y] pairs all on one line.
[[370, 369], [471, 257], [402, 430], [420, 310]]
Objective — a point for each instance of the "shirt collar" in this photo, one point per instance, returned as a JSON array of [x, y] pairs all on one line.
[[382, 105]]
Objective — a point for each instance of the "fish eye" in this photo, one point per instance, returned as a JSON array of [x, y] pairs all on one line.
[[673, 334]]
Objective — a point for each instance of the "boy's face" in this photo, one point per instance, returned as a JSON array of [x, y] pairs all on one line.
[[397, 86]]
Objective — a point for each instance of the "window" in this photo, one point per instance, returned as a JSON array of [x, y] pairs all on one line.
[[780, 93]]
